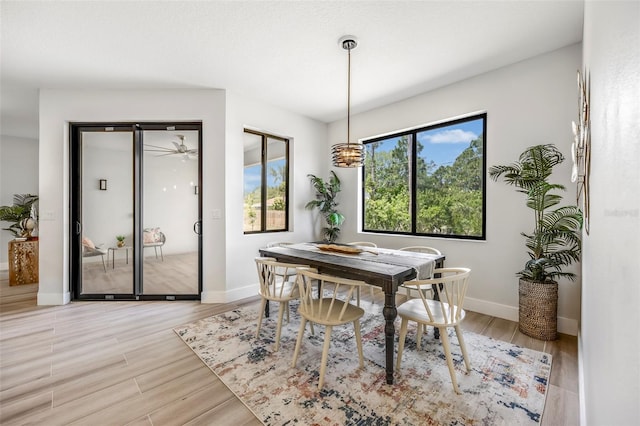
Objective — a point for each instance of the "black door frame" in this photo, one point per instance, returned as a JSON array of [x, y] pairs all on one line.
[[75, 206]]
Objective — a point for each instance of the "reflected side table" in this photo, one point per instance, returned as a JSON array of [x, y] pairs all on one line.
[[112, 251]]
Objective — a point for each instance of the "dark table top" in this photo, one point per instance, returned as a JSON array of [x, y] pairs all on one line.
[[388, 269]]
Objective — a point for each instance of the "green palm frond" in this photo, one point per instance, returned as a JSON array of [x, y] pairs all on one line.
[[555, 241]]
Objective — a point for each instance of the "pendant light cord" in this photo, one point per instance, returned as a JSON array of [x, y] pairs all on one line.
[[349, 97]]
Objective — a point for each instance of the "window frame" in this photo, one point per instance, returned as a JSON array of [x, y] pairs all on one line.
[[263, 186], [412, 133]]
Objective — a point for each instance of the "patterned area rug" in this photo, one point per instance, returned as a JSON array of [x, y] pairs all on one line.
[[507, 384]]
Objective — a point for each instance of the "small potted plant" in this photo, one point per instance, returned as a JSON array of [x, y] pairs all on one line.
[[120, 239], [325, 201], [553, 244]]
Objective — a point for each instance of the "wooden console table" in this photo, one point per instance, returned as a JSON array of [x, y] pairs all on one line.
[[23, 262]]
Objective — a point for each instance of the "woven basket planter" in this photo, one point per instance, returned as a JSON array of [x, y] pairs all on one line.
[[539, 309]]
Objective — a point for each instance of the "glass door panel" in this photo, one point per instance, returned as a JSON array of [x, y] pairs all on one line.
[[170, 212], [107, 196]]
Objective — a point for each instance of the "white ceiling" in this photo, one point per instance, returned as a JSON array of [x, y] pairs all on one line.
[[285, 53]]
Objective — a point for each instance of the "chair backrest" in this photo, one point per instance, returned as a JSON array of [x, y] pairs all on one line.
[[422, 249], [362, 243], [451, 287], [272, 275], [336, 294], [278, 244]]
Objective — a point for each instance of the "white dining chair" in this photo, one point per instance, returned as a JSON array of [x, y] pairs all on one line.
[[330, 309], [372, 288], [419, 249], [451, 287], [275, 287]]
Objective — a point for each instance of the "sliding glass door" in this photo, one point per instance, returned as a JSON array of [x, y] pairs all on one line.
[[171, 220], [135, 211]]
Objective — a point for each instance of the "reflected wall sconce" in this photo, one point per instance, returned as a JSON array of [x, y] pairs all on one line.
[[348, 154], [103, 184]]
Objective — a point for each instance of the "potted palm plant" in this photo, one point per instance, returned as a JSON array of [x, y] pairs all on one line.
[[22, 215], [325, 201], [553, 244]]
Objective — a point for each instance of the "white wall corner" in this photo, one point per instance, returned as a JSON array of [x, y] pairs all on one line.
[[565, 325]]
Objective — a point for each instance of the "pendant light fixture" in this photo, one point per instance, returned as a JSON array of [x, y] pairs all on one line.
[[348, 154]]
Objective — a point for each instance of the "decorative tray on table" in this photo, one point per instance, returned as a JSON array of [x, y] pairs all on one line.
[[339, 249]]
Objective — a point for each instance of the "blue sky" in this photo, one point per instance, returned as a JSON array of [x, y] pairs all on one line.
[[252, 175], [443, 144]]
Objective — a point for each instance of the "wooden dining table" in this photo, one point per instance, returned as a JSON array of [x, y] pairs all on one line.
[[381, 267]]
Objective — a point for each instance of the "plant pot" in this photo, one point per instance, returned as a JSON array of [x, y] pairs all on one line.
[[538, 309], [120, 243]]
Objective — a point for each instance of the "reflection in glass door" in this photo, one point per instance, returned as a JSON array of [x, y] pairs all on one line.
[[170, 216], [107, 213]]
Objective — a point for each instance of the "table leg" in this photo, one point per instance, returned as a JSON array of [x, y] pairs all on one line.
[[390, 312]]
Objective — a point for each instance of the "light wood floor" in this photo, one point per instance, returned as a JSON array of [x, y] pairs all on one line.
[[120, 363]]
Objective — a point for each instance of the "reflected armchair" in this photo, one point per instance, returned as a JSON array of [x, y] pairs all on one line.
[[90, 250], [153, 237]]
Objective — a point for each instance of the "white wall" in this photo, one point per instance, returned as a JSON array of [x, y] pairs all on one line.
[[528, 103], [59, 107], [228, 270], [307, 153], [609, 340], [18, 175]]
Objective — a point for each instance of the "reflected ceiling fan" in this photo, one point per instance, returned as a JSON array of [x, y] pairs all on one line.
[[180, 149]]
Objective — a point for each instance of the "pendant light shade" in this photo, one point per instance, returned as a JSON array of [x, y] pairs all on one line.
[[348, 154]]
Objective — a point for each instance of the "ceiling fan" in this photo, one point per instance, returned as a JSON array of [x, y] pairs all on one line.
[[180, 149]]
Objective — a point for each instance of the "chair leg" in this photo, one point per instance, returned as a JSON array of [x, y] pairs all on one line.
[[104, 266], [444, 337], [287, 305], [325, 355], [303, 323], [282, 307], [161, 255], [403, 335], [263, 303], [356, 326], [419, 336], [463, 348]]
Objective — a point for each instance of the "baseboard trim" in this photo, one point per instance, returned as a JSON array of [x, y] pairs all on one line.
[[565, 325], [47, 299], [581, 384], [229, 295]]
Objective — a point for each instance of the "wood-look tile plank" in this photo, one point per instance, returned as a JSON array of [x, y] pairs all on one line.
[[17, 411], [147, 402], [84, 406], [475, 322], [525, 341], [564, 351], [142, 421], [231, 412], [182, 411], [500, 329], [562, 408]]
